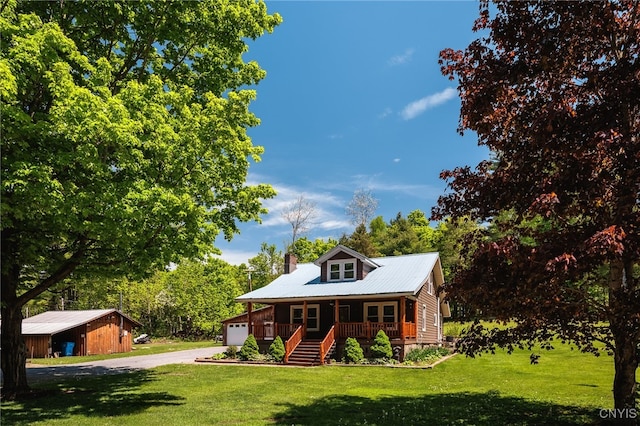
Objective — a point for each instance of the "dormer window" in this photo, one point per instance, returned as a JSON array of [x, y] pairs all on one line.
[[342, 270]]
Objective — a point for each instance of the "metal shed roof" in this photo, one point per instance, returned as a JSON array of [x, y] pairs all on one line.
[[397, 275], [53, 322]]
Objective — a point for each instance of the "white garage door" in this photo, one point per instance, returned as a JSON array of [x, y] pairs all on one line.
[[237, 333]]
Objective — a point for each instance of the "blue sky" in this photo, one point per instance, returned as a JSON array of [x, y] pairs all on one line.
[[354, 99]]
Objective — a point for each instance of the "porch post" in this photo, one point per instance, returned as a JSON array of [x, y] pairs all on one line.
[[415, 315], [249, 309], [304, 319], [403, 315], [336, 317]]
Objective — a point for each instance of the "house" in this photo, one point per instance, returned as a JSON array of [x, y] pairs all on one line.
[[89, 332], [316, 306]]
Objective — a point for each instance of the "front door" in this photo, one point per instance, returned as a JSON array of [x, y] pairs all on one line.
[[313, 316]]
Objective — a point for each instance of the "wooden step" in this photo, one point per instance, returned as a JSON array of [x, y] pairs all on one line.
[[307, 353]]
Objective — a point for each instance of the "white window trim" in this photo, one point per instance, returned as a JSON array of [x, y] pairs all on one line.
[[424, 317], [342, 263], [430, 284], [381, 306], [317, 306]]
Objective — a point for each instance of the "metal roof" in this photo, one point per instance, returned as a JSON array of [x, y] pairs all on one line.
[[53, 322], [397, 275]]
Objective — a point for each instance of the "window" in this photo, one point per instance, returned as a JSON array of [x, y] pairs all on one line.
[[342, 270], [424, 317], [345, 313], [381, 312], [313, 316], [430, 284], [372, 313], [296, 315]]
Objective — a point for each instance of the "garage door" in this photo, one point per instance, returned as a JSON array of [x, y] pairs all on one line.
[[237, 333]]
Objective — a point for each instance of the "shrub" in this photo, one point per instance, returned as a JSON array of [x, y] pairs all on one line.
[[426, 355], [276, 350], [352, 351], [381, 348], [231, 352], [452, 329], [249, 350]]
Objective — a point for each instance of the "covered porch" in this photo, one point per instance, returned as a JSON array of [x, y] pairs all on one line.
[[328, 322], [361, 319]]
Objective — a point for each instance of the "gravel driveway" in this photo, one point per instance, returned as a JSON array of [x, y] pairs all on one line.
[[36, 373]]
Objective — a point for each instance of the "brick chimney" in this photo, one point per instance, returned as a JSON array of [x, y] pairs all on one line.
[[290, 263]]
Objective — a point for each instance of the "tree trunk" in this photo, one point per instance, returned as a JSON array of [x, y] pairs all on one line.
[[625, 336], [14, 353], [624, 381]]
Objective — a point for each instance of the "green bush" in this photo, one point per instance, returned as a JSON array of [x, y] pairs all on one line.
[[276, 350], [381, 348], [249, 350], [231, 352], [452, 329], [426, 355], [352, 351]]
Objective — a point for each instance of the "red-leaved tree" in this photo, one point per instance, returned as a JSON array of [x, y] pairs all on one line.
[[553, 90]]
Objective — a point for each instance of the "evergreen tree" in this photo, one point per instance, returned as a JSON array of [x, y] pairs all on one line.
[[382, 346], [250, 350], [352, 351], [277, 350]]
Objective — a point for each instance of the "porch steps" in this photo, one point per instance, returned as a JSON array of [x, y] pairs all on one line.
[[307, 353]]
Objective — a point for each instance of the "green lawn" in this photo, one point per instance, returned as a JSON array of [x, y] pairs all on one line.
[[565, 388], [145, 349]]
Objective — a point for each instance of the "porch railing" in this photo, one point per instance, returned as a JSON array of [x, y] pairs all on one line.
[[285, 331], [292, 343], [263, 331], [326, 343], [409, 330], [368, 330], [362, 330]]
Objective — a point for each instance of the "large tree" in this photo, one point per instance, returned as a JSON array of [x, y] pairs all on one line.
[[300, 214], [361, 207], [553, 90], [124, 143]]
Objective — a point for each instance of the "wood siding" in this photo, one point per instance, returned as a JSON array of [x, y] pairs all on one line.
[[104, 336], [37, 346], [427, 331]]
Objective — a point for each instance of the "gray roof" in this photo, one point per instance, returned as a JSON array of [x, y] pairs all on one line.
[[53, 322], [397, 275]]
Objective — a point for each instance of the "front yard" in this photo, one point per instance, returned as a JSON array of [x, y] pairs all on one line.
[[566, 387]]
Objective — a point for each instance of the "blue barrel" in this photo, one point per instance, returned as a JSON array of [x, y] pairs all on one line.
[[67, 348]]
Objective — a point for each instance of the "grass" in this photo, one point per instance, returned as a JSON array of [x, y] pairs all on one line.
[[565, 388], [144, 349]]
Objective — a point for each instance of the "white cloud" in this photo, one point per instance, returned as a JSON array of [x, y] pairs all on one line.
[[236, 257], [377, 184], [402, 58], [330, 224], [396, 160], [384, 114], [416, 108], [329, 208]]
